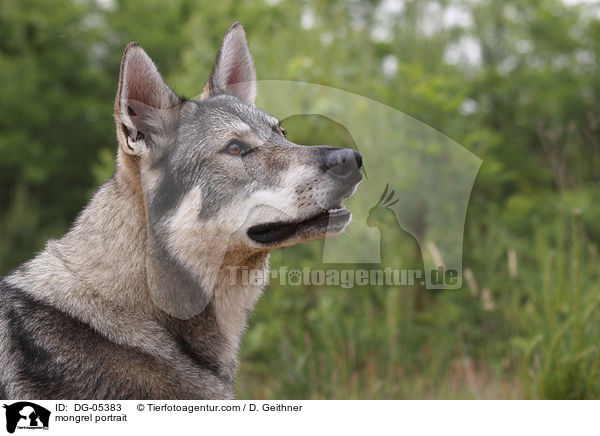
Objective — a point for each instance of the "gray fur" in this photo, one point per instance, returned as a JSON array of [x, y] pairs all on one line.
[[135, 301]]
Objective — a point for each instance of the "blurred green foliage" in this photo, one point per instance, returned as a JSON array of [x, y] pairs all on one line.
[[517, 83]]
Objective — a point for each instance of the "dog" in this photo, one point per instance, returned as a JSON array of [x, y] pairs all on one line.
[[136, 300]]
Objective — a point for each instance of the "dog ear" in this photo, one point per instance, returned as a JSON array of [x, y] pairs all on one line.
[[233, 71], [143, 100]]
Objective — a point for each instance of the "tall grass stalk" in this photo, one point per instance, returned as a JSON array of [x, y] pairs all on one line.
[[562, 361]]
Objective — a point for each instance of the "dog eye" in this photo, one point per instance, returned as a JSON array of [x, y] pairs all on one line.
[[279, 129], [234, 148]]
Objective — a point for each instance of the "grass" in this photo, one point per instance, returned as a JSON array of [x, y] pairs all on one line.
[[563, 360], [531, 334]]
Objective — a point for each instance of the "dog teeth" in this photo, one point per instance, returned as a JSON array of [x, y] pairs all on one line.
[[334, 210]]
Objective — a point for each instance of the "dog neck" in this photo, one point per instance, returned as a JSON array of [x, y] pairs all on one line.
[[100, 266]]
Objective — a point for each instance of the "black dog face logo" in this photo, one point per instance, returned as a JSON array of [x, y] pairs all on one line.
[[26, 415]]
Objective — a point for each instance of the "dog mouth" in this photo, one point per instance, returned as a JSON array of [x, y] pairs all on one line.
[[325, 223]]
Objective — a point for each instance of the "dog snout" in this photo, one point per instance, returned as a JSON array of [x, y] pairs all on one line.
[[344, 163]]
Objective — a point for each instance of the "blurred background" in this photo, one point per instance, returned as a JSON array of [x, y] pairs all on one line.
[[516, 83]]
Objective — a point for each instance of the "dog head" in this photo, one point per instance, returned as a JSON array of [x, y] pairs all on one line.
[[217, 173]]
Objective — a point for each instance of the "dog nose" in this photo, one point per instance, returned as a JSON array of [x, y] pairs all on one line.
[[343, 162]]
